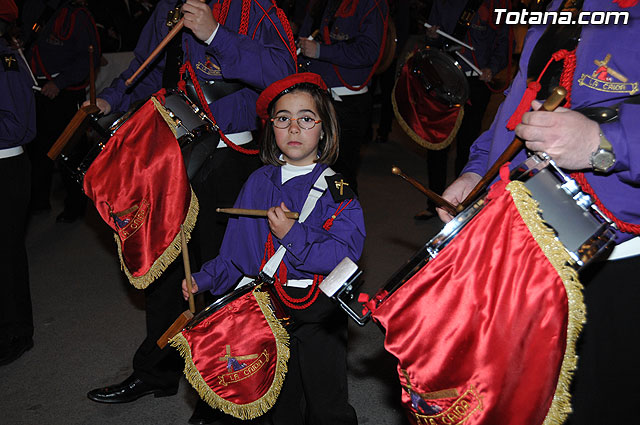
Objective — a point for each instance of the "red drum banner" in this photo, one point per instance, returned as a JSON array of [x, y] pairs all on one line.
[[237, 357], [428, 122], [485, 333], [140, 188]]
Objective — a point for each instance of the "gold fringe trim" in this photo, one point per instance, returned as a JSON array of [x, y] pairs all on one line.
[[164, 113], [263, 404], [168, 256], [414, 136], [561, 261]]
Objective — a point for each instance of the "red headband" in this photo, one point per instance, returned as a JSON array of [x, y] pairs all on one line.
[[275, 89], [8, 10]]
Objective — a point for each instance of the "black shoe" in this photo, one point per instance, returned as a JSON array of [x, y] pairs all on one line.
[[127, 391], [14, 348], [203, 414]]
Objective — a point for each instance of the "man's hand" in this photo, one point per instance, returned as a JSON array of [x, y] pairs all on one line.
[[199, 19], [278, 221], [432, 32], [185, 291], [567, 136], [486, 76], [102, 104], [456, 193], [309, 48], [50, 90]]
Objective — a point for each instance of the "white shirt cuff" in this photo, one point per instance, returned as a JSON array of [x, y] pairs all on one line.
[[213, 34]]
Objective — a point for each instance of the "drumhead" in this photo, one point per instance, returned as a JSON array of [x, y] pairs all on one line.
[[441, 76]]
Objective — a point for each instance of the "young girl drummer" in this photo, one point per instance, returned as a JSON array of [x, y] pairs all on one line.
[[300, 142]]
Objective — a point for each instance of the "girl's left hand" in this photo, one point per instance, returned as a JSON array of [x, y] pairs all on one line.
[[278, 221], [199, 19]]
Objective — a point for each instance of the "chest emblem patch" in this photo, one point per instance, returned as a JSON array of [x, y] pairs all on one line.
[[607, 79]]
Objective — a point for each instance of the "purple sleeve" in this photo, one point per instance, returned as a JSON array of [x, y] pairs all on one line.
[[257, 60], [17, 105], [623, 134], [119, 96], [316, 250]]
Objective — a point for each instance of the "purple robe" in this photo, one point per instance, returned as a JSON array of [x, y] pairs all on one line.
[[17, 104], [619, 190], [256, 59], [355, 44], [310, 249]]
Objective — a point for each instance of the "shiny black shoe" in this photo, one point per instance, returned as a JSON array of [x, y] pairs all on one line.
[[14, 348], [203, 414], [129, 390]]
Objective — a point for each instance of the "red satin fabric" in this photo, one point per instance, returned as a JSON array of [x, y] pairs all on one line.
[[242, 327], [140, 187], [428, 118], [488, 318]]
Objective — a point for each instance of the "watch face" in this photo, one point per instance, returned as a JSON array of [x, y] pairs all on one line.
[[603, 160]]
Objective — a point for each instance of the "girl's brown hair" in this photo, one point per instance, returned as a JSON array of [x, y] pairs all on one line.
[[328, 145]]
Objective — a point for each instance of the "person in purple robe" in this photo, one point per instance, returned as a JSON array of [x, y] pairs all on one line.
[[17, 128], [341, 40], [235, 48], [595, 137], [300, 143]]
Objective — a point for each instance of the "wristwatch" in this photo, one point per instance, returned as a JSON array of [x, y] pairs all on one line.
[[603, 158]]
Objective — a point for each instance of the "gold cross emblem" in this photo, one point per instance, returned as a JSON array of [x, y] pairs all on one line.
[[603, 64], [340, 185], [230, 359], [9, 60]]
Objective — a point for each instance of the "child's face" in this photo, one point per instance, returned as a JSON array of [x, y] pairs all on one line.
[[298, 146]]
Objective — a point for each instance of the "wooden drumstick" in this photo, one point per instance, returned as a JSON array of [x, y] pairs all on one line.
[[440, 201], [187, 269], [92, 78], [552, 102], [256, 213], [175, 30]]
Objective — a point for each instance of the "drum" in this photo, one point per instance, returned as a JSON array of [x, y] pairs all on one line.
[[579, 226], [189, 123], [236, 351], [428, 97]]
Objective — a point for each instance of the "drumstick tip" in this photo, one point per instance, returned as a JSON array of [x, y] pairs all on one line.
[[395, 170]]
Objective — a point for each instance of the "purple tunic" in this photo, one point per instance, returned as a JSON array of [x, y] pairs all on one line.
[[490, 44], [618, 190], [256, 60], [310, 249], [17, 104], [355, 44], [66, 55]]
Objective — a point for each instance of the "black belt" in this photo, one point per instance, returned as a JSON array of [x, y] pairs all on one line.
[[212, 89]]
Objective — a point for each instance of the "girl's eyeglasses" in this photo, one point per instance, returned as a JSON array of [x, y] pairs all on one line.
[[304, 122]]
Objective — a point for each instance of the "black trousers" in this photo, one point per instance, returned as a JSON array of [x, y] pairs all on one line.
[[317, 368], [217, 185], [16, 319], [52, 116], [604, 387], [469, 131], [354, 116]]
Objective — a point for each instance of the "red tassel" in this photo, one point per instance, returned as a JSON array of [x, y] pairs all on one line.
[[525, 104]]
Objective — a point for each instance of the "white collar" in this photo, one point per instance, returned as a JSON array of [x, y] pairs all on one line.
[[289, 171]]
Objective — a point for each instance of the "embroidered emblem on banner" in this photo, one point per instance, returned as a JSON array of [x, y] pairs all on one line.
[[239, 371], [607, 79], [9, 62], [458, 412], [128, 222]]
